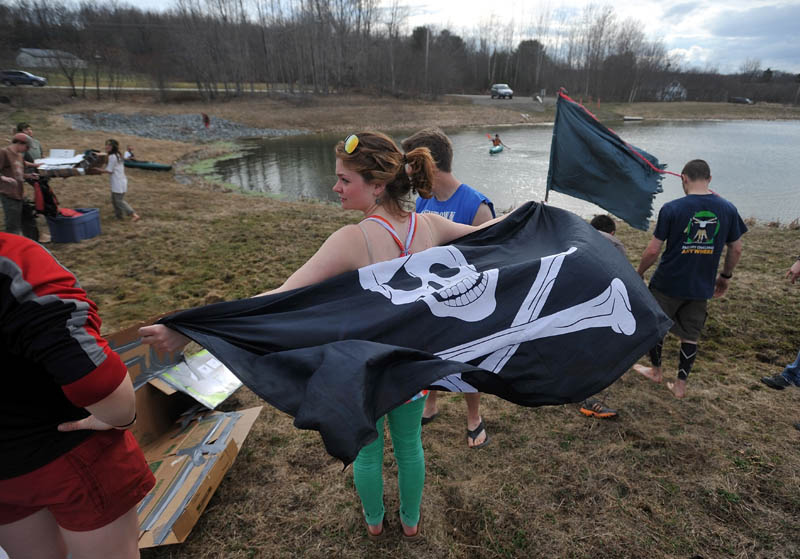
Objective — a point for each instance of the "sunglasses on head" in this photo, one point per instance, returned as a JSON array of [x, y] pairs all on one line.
[[350, 144]]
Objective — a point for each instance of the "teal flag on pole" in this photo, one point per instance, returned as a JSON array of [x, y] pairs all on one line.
[[591, 162]]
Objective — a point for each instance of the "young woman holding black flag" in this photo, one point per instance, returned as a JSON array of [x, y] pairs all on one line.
[[375, 177]]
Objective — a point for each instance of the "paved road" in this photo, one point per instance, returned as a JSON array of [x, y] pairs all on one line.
[[523, 104], [518, 102], [104, 89]]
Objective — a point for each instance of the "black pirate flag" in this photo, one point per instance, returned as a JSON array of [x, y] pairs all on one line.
[[537, 309]]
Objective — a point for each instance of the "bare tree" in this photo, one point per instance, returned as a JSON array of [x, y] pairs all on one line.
[[750, 69], [598, 29], [224, 46], [396, 17]]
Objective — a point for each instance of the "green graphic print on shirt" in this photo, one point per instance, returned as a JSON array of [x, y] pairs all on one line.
[[699, 237]]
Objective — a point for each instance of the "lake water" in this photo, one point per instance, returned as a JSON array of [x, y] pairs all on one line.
[[752, 164]]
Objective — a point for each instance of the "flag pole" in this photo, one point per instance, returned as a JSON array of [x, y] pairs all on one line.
[[555, 118]]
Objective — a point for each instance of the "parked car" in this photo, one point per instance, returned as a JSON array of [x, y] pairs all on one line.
[[18, 77], [501, 91], [741, 100]]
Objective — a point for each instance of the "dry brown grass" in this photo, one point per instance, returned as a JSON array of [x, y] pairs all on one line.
[[715, 475], [690, 110], [314, 114]]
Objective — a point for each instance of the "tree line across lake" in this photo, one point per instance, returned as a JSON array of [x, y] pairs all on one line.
[[229, 47]]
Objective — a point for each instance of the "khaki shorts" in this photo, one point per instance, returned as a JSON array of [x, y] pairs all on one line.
[[688, 315]]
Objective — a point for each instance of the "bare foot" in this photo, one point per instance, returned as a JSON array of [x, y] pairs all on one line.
[[653, 373], [375, 530], [135, 218], [678, 388], [412, 531]]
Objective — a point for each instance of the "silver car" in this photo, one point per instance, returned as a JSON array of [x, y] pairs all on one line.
[[502, 91], [19, 77]]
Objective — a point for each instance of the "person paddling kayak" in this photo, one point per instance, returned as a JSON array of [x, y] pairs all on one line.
[[496, 141]]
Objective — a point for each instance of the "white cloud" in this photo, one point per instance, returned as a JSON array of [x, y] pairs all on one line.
[[693, 57]]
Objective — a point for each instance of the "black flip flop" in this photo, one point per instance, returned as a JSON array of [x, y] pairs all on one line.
[[474, 435], [426, 420]]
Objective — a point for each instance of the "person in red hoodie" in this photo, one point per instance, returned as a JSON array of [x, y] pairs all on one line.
[[72, 474]]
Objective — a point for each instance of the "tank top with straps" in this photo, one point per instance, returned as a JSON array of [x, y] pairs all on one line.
[[404, 247]]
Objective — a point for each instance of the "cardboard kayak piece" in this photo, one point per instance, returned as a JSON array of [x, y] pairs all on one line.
[[188, 445]]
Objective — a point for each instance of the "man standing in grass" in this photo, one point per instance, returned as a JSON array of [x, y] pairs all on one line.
[[457, 202], [696, 228], [12, 182], [790, 376], [34, 151], [30, 156]]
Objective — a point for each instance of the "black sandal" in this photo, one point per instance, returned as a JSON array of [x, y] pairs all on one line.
[[426, 420], [474, 435]]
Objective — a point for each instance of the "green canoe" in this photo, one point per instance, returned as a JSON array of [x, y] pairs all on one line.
[[149, 165], [495, 149]]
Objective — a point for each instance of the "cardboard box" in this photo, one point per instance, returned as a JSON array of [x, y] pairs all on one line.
[[64, 163], [188, 447]]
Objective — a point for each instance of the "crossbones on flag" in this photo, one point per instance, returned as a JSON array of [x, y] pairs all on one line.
[[537, 309], [591, 162]]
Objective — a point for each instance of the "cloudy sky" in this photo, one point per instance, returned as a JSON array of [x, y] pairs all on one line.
[[707, 34], [711, 33]]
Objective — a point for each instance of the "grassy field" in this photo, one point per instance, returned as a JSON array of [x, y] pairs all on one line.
[[690, 110], [713, 476]]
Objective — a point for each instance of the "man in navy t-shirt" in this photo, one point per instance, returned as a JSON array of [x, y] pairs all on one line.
[[696, 229], [457, 202]]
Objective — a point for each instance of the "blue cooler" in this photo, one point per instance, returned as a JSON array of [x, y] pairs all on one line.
[[75, 229]]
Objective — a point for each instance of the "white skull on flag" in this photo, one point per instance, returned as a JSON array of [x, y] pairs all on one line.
[[449, 285]]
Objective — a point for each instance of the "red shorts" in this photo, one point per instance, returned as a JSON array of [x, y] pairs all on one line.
[[90, 486]]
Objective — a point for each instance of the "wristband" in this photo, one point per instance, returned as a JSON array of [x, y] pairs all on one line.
[[127, 424], [724, 275]]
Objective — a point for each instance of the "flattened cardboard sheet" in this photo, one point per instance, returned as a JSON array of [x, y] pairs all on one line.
[[188, 447]]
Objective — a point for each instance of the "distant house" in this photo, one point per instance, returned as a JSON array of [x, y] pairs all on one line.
[[41, 58], [673, 92]]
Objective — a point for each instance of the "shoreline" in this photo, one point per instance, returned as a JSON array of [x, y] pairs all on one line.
[[752, 215], [232, 132]]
